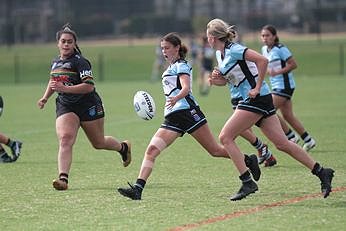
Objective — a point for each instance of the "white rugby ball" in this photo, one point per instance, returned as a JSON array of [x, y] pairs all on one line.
[[144, 105]]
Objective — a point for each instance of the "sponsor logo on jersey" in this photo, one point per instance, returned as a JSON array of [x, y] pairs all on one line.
[[60, 78], [85, 73]]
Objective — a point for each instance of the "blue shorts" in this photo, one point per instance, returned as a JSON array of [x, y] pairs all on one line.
[[185, 121]]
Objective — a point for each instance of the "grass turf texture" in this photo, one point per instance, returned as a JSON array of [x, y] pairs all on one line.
[[187, 185]]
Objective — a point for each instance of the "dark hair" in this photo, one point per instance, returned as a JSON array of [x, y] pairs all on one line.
[[273, 31], [67, 29], [175, 40]]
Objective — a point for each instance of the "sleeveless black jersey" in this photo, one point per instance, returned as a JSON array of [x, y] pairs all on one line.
[[72, 71]]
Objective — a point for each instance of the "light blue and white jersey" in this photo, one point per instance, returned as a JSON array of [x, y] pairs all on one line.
[[172, 86], [239, 73], [235, 94], [277, 57]]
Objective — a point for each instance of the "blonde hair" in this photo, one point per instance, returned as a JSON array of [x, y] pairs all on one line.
[[221, 30]]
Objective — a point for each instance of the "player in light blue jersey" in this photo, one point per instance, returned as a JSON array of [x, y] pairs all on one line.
[[245, 69], [182, 115], [280, 67], [264, 154]]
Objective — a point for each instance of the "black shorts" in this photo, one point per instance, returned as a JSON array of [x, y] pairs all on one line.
[[207, 64], [287, 93], [185, 121], [261, 105], [235, 102], [86, 110]]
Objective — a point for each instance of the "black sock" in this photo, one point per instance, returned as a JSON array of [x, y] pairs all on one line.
[[258, 143], [306, 137], [317, 169], [255, 143], [124, 149], [245, 177], [290, 134], [140, 183], [63, 177]]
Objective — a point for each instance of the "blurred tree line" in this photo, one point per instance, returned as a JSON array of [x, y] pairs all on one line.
[[23, 21]]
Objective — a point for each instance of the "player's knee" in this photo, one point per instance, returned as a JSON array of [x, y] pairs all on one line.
[[282, 146], [66, 140], [152, 151], [225, 138], [156, 145]]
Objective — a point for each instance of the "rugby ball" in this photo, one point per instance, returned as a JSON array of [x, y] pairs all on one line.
[[144, 105]]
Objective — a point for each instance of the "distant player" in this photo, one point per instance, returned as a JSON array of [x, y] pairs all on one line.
[[281, 65], [206, 58]]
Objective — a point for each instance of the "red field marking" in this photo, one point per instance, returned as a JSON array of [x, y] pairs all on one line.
[[250, 211]]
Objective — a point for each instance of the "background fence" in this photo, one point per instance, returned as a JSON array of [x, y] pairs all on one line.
[[31, 64]]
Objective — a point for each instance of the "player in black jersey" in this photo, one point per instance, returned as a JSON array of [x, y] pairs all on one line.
[[77, 105]]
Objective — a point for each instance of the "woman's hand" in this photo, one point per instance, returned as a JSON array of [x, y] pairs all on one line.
[[171, 101], [253, 93], [217, 78], [216, 73], [41, 102], [57, 86]]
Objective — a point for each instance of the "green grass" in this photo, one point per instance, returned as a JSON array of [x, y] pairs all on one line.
[[133, 61], [31, 63], [187, 185]]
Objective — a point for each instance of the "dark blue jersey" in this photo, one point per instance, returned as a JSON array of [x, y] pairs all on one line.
[[72, 71]]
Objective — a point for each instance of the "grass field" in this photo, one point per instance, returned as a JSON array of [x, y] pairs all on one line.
[[187, 186], [188, 189]]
